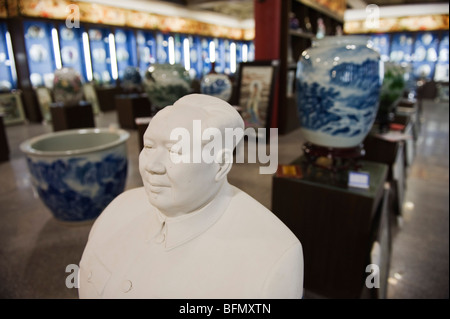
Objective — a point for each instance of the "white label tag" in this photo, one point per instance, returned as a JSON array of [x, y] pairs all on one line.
[[358, 179]]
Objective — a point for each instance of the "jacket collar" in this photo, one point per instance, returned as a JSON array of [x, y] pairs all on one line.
[[176, 231]]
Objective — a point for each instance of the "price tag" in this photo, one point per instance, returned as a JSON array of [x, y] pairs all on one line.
[[359, 179]]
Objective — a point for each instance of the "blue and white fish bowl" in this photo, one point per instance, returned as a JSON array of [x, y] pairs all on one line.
[[77, 173], [217, 85], [338, 86]]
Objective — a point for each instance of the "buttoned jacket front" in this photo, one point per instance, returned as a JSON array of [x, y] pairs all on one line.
[[232, 248]]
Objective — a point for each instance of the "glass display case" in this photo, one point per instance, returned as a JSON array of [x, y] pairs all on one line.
[[195, 50], [126, 52], [402, 47], [381, 44], [100, 56], [146, 49], [40, 53], [425, 55], [162, 48], [72, 53], [441, 73], [8, 76]]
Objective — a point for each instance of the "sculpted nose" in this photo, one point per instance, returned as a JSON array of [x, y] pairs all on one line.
[[156, 167], [155, 164]]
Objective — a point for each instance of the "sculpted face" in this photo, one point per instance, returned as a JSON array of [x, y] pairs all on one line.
[[175, 188]]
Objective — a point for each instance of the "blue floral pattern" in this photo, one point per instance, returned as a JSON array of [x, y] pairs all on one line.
[[345, 104], [217, 85], [76, 189]]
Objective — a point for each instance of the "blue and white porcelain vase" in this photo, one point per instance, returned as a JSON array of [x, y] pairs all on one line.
[[217, 85], [338, 86], [77, 173]]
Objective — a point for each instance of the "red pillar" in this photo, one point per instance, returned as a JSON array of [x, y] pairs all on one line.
[[269, 23]]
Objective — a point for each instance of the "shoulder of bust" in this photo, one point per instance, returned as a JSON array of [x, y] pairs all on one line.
[[124, 208]]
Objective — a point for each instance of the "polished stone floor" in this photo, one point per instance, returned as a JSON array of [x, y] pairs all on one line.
[[35, 249]]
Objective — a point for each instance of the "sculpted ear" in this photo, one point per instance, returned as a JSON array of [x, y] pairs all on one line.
[[225, 161]]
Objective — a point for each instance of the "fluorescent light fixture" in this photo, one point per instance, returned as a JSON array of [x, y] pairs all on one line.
[[112, 53], [244, 53], [11, 57], [212, 52], [233, 57], [187, 54], [56, 49], [87, 56], [171, 51]]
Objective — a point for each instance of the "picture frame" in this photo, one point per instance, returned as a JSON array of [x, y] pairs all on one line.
[[255, 94], [44, 97], [90, 95], [12, 108]]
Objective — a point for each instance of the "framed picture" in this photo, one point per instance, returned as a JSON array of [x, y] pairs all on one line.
[[255, 92], [91, 96], [44, 98], [12, 108]]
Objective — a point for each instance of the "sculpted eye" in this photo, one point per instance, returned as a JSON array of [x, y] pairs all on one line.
[[175, 149], [148, 146]]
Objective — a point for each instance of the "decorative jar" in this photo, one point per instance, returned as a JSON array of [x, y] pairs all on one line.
[[131, 80], [166, 83], [77, 173], [67, 86], [338, 86], [217, 85]]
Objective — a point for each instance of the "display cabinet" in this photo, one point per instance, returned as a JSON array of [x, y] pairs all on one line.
[[337, 226], [278, 38]]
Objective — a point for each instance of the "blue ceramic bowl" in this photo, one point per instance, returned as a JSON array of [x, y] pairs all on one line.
[[77, 173]]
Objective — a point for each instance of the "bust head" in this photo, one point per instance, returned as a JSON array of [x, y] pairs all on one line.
[[178, 188]]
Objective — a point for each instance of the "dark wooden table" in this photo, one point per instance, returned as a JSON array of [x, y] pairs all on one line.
[[4, 146], [336, 225], [65, 117], [131, 106], [106, 97]]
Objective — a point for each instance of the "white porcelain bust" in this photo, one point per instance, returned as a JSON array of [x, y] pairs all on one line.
[[188, 233]]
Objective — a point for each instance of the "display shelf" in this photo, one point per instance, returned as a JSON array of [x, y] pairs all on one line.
[[382, 149], [276, 40], [302, 34], [337, 226]]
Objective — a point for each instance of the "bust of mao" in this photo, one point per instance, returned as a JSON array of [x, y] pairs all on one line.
[[188, 233]]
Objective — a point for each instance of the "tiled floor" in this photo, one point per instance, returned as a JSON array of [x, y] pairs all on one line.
[[35, 248]]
